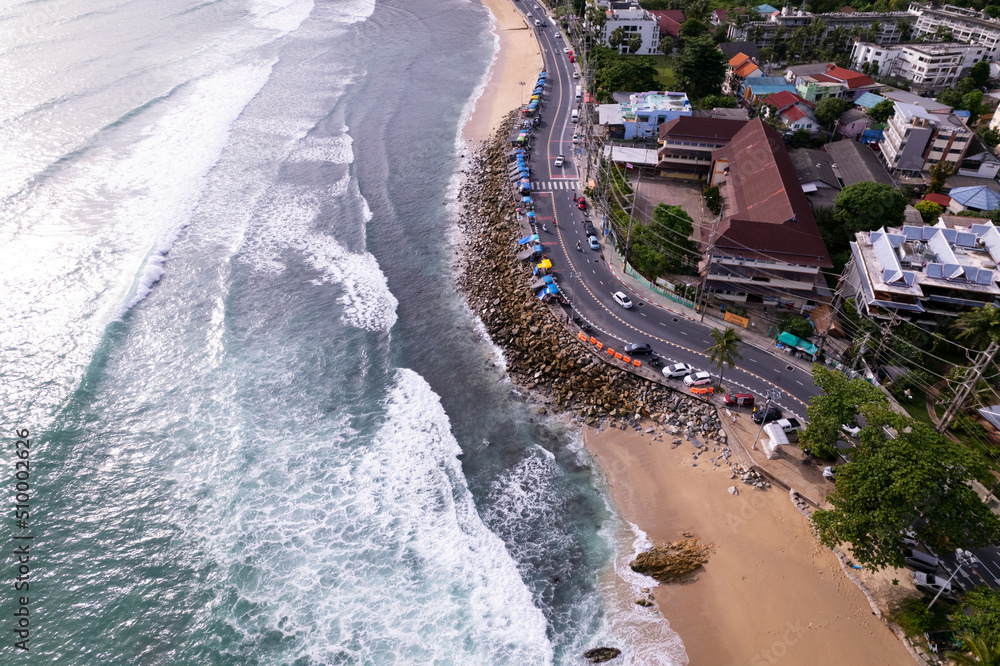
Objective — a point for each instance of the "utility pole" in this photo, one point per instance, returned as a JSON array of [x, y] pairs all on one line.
[[968, 385], [701, 302], [860, 352], [837, 300], [631, 213], [886, 332]]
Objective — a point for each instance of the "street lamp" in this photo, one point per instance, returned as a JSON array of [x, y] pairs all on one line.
[[521, 83], [962, 557], [772, 396]]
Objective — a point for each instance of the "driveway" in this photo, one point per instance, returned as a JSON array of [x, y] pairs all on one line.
[[686, 195]]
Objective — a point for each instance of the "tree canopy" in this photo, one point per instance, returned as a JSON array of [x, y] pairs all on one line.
[[867, 206], [882, 111], [835, 406], [829, 110], [940, 172], [725, 351], [916, 480], [979, 326], [980, 73], [700, 68], [614, 72], [665, 245], [716, 102], [929, 210]]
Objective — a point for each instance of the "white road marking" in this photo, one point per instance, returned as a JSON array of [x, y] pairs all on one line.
[[799, 383]]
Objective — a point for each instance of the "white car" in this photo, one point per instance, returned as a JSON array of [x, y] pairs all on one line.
[[622, 300], [677, 370], [560, 160], [698, 379], [931, 584], [852, 431], [565, 49], [830, 473], [576, 75]]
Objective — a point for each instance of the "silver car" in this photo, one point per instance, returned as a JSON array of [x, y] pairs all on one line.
[[677, 370]]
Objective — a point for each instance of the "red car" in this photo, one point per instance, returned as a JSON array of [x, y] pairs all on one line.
[[582, 204], [571, 58], [738, 400]]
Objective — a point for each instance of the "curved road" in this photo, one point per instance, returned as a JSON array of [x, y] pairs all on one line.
[[588, 279]]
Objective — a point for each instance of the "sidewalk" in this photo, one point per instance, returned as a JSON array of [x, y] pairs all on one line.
[[751, 337]]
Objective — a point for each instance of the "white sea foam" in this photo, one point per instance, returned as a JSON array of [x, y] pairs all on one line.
[[336, 149], [365, 550], [288, 223], [281, 15]]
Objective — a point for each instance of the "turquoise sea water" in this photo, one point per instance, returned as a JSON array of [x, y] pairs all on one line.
[[266, 428]]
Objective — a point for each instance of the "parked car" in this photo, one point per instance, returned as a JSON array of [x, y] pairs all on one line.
[[595, 245], [698, 379], [538, 23], [589, 229], [932, 584], [850, 430], [920, 561], [788, 425], [576, 75], [738, 400], [760, 415], [830, 473], [565, 49], [559, 160], [622, 300], [677, 370], [634, 348], [582, 204]]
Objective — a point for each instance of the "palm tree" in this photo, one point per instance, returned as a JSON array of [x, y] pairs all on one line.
[[980, 326], [984, 653], [724, 351]]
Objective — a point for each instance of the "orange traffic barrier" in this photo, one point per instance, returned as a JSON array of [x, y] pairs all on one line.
[[593, 340], [637, 363], [582, 336], [618, 356], [611, 351], [626, 359], [600, 345], [710, 389]]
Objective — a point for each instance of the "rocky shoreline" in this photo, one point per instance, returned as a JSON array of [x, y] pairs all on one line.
[[542, 355]]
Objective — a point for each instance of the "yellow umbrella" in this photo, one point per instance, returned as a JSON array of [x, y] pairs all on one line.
[[545, 263]]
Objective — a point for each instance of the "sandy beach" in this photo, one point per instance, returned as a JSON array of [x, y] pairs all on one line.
[[770, 593], [519, 59]]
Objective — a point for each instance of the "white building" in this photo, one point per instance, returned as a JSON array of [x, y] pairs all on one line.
[[965, 25], [633, 20], [644, 112], [916, 139], [932, 65]]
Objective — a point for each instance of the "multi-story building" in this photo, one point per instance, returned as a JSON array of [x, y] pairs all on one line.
[[915, 139], [633, 20], [930, 65], [740, 68], [644, 112], [687, 144], [793, 111], [890, 26], [925, 274], [766, 246], [964, 25]]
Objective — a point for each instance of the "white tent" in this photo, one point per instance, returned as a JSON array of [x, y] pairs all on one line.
[[772, 441]]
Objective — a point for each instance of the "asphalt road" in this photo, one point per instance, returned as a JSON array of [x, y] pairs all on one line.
[[589, 281]]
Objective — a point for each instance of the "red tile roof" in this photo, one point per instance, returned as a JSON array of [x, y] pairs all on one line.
[[690, 127], [769, 215], [782, 99], [720, 14], [825, 79], [847, 9], [670, 21], [851, 78], [738, 59], [746, 69], [942, 200], [794, 113]]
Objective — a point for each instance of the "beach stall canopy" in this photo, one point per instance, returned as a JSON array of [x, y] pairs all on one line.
[[545, 263], [526, 200], [795, 342], [528, 239], [531, 214], [552, 289]]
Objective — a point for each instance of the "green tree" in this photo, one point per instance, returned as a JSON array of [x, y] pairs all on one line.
[[666, 45], [951, 97], [979, 652], [882, 111], [614, 72], [725, 350], [867, 206], [980, 73], [692, 28], [980, 616], [797, 326], [829, 110], [979, 326], [801, 138], [716, 102], [616, 38], [929, 210], [634, 43], [973, 103], [835, 406], [672, 224], [701, 68], [990, 136], [940, 172], [891, 482], [713, 200]]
